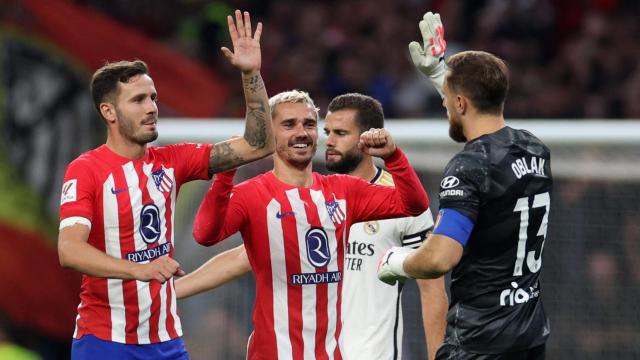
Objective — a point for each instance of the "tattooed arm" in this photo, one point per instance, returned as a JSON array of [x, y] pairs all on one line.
[[258, 140]]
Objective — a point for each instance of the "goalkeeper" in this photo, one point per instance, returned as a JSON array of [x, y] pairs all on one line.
[[495, 199]]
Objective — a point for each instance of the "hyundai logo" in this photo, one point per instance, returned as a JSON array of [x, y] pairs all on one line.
[[449, 182]]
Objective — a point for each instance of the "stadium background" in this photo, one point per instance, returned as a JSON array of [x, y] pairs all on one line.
[[574, 60]]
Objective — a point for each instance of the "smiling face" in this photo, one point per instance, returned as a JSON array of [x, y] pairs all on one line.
[[135, 109], [343, 134], [296, 131]]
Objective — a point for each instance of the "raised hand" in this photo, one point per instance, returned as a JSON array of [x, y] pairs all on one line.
[[377, 142], [246, 54], [427, 57], [160, 269]]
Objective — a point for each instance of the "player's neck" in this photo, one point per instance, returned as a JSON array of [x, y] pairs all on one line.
[[298, 176], [365, 170], [477, 125], [125, 148]]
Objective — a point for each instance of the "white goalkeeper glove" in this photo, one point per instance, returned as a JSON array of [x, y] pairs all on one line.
[[429, 59], [391, 265]]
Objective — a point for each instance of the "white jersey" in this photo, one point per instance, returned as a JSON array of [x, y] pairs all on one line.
[[371, 311]]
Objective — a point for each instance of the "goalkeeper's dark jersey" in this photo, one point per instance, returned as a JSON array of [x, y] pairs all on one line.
[[502, 181]]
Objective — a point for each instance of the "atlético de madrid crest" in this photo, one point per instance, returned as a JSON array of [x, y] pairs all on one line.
[[162, 180], [335, 212]]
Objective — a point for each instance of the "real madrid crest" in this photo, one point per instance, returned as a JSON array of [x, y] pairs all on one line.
[[371, 227]]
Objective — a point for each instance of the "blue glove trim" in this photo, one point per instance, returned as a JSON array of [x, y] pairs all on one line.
[[455, 225]]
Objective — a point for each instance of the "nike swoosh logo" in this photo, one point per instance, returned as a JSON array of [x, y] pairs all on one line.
[[281, 216], [118, 191]]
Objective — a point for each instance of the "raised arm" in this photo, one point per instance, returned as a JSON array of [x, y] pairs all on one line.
[[258, 140], [407, 198], [219, 270], [429, 57]]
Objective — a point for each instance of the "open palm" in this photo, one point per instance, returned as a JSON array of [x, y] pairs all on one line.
[[246, 54]]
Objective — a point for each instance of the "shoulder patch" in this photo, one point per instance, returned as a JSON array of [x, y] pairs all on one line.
[[69, 191], [386, 179]]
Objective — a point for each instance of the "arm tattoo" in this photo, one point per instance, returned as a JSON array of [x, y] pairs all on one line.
[[253, 84], [256, 129], [223, 158]]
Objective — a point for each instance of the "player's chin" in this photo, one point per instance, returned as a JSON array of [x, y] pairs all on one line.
[[147, 136], [301, 158], [332, 159]]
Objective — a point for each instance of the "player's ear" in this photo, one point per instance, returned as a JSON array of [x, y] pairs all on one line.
[[462, 104], [108, 112]]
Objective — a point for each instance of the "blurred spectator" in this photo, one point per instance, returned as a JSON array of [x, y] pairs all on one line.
[[607, 331], [571, 59]]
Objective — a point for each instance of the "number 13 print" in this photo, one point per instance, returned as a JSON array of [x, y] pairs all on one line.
[[522, 206]]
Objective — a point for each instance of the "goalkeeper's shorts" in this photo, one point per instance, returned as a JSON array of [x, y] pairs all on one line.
[[448, 351]]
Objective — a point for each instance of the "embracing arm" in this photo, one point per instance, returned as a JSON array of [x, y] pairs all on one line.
[[212, 213], [76, 253], [258, 140], [219, 270]]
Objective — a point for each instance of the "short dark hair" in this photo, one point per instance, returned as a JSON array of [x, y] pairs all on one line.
[[369, 112], [104, 82], [480, 76]]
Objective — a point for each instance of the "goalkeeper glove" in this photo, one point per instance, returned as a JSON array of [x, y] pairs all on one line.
[[429, 59], [390, 267]]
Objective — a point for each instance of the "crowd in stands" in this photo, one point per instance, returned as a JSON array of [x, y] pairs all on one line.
[[569, 59]]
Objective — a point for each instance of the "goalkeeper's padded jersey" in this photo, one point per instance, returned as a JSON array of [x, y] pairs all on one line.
[[502, 182], [371, 309], [129, 206], [294, 238]]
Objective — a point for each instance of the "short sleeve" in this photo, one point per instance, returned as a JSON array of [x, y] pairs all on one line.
[[191, 161], [463, 183], [414, 229], [78, 191]]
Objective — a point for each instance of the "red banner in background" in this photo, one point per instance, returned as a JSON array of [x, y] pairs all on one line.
[[185, 85], [37, 293]]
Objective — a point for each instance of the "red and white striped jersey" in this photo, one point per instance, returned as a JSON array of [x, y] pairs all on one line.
[[295, 241], [129, 206]]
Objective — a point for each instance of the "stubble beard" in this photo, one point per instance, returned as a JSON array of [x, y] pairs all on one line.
[[349, 162], [456, 132], [296, 161], [125, 126]]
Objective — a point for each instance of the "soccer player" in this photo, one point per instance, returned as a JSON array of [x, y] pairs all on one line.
[[294, 224], [495, 197], [118, 202], [372, 315]]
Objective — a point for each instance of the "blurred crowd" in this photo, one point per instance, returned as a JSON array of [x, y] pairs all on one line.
[[591, 277], [569, 59]]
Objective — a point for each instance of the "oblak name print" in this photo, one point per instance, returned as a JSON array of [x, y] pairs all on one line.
[[522, 166]]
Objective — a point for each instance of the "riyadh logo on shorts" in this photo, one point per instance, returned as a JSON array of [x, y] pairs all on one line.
[[317, 247]]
